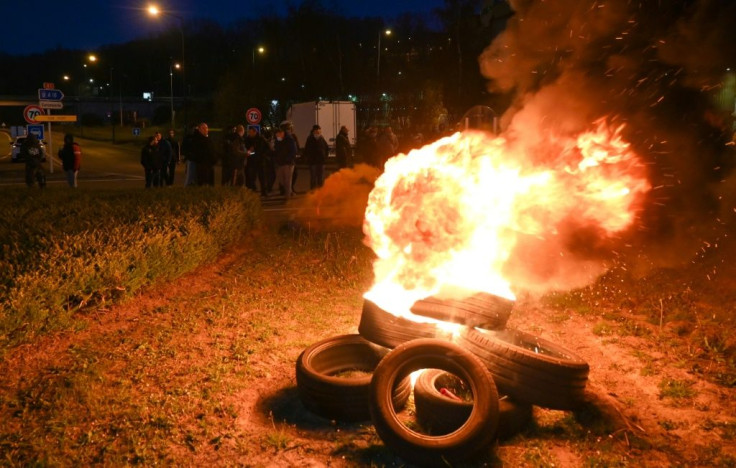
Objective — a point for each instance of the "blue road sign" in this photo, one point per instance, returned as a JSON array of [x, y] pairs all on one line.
[[36, 130], [50, 95], [257, 128], [136, 131]]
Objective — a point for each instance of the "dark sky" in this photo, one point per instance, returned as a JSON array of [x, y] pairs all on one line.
[[30, 26]]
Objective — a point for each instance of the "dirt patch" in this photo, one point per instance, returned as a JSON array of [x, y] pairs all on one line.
[[201, 371]]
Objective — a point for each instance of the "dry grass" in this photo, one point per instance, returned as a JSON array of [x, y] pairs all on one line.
[[201, 371]]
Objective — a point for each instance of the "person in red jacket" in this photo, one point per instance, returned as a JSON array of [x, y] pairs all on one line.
[[71, 159]]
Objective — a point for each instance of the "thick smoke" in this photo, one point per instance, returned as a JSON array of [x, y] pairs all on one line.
[[341, 201], [657, 66]]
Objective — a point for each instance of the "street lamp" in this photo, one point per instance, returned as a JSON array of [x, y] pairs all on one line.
[[155, 11], [261, 50], [387, 33], [172, 66]]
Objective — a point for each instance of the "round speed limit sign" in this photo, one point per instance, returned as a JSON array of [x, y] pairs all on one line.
[[253, 115], [31, 112]]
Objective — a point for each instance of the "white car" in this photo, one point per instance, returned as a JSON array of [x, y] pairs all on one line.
[[15, 156]]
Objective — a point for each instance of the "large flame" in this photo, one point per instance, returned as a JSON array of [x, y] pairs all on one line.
[[444, 219]]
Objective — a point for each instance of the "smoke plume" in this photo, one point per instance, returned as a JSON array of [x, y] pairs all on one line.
[[665, 69]]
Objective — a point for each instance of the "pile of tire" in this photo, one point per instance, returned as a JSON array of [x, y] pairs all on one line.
[[506, 371]]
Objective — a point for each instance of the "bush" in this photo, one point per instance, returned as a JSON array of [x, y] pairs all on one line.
[[64, 250]]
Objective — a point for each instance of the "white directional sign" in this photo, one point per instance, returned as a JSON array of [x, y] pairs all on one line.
[[51, 104]]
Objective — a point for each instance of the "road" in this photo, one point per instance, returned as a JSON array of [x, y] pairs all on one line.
[[107, 165]]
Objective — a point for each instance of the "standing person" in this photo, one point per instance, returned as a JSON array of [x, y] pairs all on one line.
[[369, 147], [203, 154], [315, 151], [343, 150], [388, 145], [32, 153], [71, 159], [151, 162], [288, 128], [229, 143], [166, 155], [257, 148], [175, 156], [284, 157], [235, 154], [186, 146]]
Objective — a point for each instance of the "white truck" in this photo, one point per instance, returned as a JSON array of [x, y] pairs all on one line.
[[330, 115]]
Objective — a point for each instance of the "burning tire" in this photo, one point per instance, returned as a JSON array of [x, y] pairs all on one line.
[[386, 329], [529, 368], [482, 310], [471, 438], [343, 398], [443, 414]]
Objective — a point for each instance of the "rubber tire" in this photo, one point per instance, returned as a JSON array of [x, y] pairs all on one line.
[[341, 398], [444, 415], [388, 330], [468, 441], [530, 369], [482, 310]]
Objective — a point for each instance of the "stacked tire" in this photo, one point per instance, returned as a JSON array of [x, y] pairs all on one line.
[[481, 353]]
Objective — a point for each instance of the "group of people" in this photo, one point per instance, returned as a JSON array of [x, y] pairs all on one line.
[[378, 146], [33, 155], [249, 158], [159, 158]]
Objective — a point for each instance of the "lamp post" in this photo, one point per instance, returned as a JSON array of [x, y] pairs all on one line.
[[261, 50], [386, 32], [172, 66], [155, 11]]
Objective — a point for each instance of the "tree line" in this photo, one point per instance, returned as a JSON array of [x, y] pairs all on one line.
[[427, 65]]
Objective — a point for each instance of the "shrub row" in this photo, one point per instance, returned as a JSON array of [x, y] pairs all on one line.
[[65, 250]]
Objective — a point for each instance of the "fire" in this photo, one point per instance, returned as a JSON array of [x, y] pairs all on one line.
[[444, 219]]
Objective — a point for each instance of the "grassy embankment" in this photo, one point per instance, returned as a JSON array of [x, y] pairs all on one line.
[[66, 250]]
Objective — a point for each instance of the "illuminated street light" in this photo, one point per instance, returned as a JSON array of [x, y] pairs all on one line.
[[261, 50], [92, 58], [155, 11], [173, 66], [386, 33]]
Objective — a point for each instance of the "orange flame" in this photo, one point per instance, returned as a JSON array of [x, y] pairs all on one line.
[[444, 219]]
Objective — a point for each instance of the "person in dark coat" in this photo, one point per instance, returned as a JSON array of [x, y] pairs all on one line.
[[71, 159], [284, 156], [256, 168], [343, 149], [315, 152], [151, 162], [229, 143], [32, 153], [191, 166], [175, 157], [203, 155], [166, 155]]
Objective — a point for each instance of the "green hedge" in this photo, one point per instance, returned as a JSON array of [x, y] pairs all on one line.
[[64, 250]]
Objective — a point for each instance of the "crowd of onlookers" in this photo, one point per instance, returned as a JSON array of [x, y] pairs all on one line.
[[258, 161]]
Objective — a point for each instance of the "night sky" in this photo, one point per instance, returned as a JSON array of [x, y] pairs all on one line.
[[31, 26]]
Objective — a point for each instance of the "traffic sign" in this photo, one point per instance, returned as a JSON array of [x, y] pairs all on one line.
[[136, 131], [255, 127], [48, 85], [36, 129], [56, 118], [50, 95], [51, 104], [253, 115], [30, 113]]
